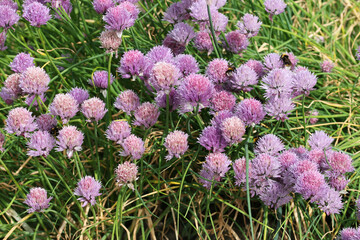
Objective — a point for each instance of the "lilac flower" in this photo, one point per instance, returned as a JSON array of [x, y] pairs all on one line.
[[21, 62], [127, 101], [2, 40], [88, 189], [274, 7], [110, 41], [28, 2], [69, 139], [161, 100], [7, 95], [287, 159], [350, 234], [303, 166], [203, 42], [304, 81], [317, 156], [146, 114], [216, 165], [177, 144], [216, 70], [132, 64], [37, 14], [278, 83], [20, 122], [182, 33], [93, 109], [250, 111], [58, 4], [219, 117], [79, 94], [176, 12], [126, 174], [273, 61], [239, 167], [219, 21], [249, 25], [269, 144], [242, 77], [187, 64], [338, 162], [65, 106], [133, 146], [257, 66], [236, 42], [164, 76], [275, 195], [233, 129], [118, 19], [313, 113], [159, 53], [101, 6], [40, 144], [327, 66], [198, 10], [175, 46], [329, 201], [9, 17], [2, 141], [37, 200], [118, 131], [34, 80], [301, 152], [9, 3], [279, 108], [131, 8], [310, 183], [223, 100], [336, 181], [319, 139], [12, 83], [100, 79], [46, 122], [212, 139]]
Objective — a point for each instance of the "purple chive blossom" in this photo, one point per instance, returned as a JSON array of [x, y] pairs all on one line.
[[37, 14], [198, 10], [301, 152], [274, 7], [9, 3], [2, 141], [161, 100], [212, 139], [338, 162], [304, 81], [8, 96], [34, 80], [182, 33], [203, 42], [28, 2], [358, 54], [329, 201], [177, 144], [93, 109], [232, 130], [126, 174], [100, 79], [275, 195], [46, 122], [236, 42], [118, 19], [176, 47], [287, 159], [21, 62], [146, 115], [164, 76], [159, 53], [269, 144], [310, 183], [175, 13], [279, 108], [216, 70], [2, 41], [65, 106], [242, 78], [250, 111], [320, 140], [249, 25], [127, 101], [317, 156], [132, 64], [37, 200], [239, 167], [69, 139], [223, 100], [87, 189], [110, 41], [131, 8], [313, 113], [278, 83], [220, 22], [12, 83], [118, 131], [257, 66], [20, 122], [101, 6], [327, 66], [273, 61], [9, 17], [338, 182], [350, 234], [58, 4], [79, 94], [215, 166], [187, 64], [133, 146], [40, 144], [220, 117]]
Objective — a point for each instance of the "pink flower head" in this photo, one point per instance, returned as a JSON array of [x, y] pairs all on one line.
[[118, 131], [212, 139], [133, 146], [12, 83], [20, 122], [176, 12], [40, 144], [203, 42], [198, 10], [65, 106], [131, 8], [304, 81], [46, 122], [249, 25], [79, 94], [242, 78], [216, 70], [237, 42], [146, 114], [37, 14], [159, 53], [9, 17], [100, 79], [127, 101], [329, 201], [110, 41], [118, 19], [93, 109], [274, 7], [338, 182], [219, 21], [21, 62], [164, 76], [126, 174], [223, 100], [214, 168], [257, 66], [327, 66], [273, 61], [9, 3], [219, 117], [182, 33], [350, 234], [34, 80], [338, 162], [269, 144], [309, 183], [88, 189], [37, 200], [177, 144], [132, 64], [233, 129], [287, 159], [279, 108], [101, 6], [69, 139], [250, 111], [239, 167], [319, 139], [7, 95], [278, 83], [187, 64]]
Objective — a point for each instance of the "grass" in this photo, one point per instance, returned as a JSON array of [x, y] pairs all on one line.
[[170, 203]]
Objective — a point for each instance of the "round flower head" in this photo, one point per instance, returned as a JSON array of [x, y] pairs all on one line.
[[329, 201], [186, 64], [304, 81], [327, 66], [182, 33], [40, 144], [21, 62], [233, 129], [177, 144], [350, 234], [2, 41], [69, 139], [212, 139], [46, 122], [79, 94], [126, 174], [110, 41], [87, 189], [159, 53], [257, 66], [278, 83], [118, 131], [338, 182], [203, 42], [127, 101], [320, 140], [242, 77], [309, 183], [131, 8], [214, 168], [219, 22], [176, 47], [338, 162], [7, 95], [223, 100], [133, 146], [250, 111], [198, 10], [287, 159], [269, 144], [274, 7], [101, 6], [237, 42], [20, 122], [118, 19], [239, 167], [146, 114], [93, 109], [65, 106], [176, 12], [2, 141], [132, 64], [273, 61], [279, 108], [37, 200], [37, 14], [313, 113], [9, 17], [249, 25], [12, 83], [100, 79], [216, 70], [9, 3], [64, 4], [34, 80], [219, 117], [164, 76]]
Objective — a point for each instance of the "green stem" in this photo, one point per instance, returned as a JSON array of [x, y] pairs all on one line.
[[109, 116], [247, 181], [271, 29], [213, 33], [97, 152]]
